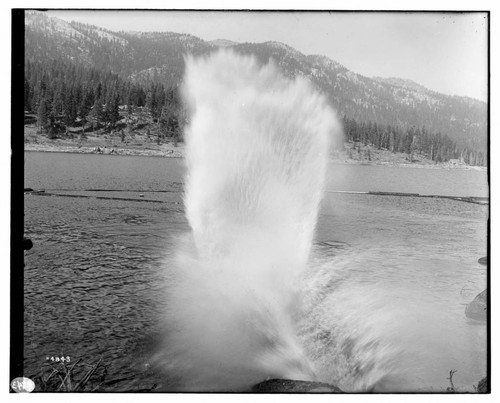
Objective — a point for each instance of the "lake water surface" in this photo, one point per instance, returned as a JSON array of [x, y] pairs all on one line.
[[384, 296]]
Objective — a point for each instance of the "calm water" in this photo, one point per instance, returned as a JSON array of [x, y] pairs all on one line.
[[384, 297]]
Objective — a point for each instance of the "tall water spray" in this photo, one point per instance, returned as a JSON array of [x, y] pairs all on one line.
[[256, 151]]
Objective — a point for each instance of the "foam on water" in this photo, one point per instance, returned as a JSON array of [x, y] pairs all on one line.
[[256, 152]]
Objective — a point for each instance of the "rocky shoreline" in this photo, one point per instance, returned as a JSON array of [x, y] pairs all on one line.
[[170, 151], [142, 144]]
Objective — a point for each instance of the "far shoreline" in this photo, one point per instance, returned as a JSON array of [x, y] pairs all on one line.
[[169, 151]]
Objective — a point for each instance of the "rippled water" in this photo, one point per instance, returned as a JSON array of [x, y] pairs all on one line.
[[384, 298], [390, 307]]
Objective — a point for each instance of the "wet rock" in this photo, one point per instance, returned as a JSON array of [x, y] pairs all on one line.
[[291, 386], [27, 243], [482, 386], [478, 308]]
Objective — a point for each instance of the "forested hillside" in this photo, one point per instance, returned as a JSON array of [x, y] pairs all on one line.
[[82, 78]]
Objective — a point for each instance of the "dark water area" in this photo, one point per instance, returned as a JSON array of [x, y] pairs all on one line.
[[93, 281], [384, 296]]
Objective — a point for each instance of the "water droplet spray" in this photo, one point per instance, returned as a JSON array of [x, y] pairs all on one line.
[[257, 147]]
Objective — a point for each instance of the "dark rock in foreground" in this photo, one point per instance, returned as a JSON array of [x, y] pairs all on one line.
[[27, 243], [478, 308], [290, 386], [482, 386]]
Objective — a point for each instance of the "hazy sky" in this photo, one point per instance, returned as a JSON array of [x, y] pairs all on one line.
[[445, 52]]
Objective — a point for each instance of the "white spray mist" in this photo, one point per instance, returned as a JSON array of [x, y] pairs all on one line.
[[256, 151]]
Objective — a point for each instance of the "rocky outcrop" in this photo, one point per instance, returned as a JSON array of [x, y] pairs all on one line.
[[482, 386], [478, 308], [291, 386]]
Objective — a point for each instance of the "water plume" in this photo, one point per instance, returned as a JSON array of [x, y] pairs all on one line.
[[257, 147]]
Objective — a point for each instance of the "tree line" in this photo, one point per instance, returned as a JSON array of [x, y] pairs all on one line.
[[412, 141], [66, 97]]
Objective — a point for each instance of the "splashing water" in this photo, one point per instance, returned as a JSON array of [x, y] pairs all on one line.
[[256, 153]]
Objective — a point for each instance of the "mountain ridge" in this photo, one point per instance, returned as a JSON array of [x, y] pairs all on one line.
[[159, 56]]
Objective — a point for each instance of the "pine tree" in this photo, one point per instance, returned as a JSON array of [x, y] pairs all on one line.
[[95, 115], [58, 100], [151, 102], [69, 110], [113, 110], [43, 115], [28, 93], [155, 100], [86, 107], [414, 147]]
